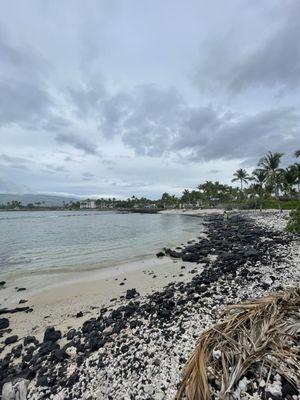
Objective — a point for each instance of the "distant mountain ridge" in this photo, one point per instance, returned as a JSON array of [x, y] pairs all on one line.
[[45, 200]]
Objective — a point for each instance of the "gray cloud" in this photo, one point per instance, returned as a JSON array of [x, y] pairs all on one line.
[[24, 98], [55, 123], [252, 135], [160, 123], [87, 176], [22, 103], [53, 168], [15, 162], [87, 97], [143, 118], [273, 62], [120, 79], [8, 186], [114, 111], [78, 142]]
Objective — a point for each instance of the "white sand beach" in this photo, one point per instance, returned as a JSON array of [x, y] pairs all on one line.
[[57, 298]]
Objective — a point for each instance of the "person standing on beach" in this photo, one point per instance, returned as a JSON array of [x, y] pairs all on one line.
[[225, 219]]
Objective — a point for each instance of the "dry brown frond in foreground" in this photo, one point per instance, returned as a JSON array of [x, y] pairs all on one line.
[[260, 332]]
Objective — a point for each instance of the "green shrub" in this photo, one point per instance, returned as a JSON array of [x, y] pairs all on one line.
[[285, 204], [294, 222]]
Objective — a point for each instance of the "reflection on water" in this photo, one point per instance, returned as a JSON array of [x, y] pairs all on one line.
[[35, 241]]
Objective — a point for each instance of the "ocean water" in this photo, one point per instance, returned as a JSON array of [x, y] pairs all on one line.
[[67, 240]]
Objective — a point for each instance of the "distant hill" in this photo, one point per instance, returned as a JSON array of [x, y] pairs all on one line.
[[45, 200]]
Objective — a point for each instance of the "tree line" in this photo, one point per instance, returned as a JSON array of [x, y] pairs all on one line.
[[268, 182]]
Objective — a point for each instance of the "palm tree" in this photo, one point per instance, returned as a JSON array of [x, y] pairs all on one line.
[[259, 176], [297, 153], [186, 196], [242, 176], [168, 200], [296, 168], [270, 163], [290, 179]]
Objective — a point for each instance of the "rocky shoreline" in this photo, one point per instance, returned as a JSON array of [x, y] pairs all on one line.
[[136, 348]]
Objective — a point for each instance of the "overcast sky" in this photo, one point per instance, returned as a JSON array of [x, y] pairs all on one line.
[[115, 98]]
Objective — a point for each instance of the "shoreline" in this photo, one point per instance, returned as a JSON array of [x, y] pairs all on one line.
[[113, 255], [57, 278], [166, 314], [62, 299]]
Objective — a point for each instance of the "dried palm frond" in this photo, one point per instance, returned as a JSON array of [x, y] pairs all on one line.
[[259, 332]]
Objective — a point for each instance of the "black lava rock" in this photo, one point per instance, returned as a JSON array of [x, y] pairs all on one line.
[[4, 323], [42, 381], [47, 347], [120, 325], [71, 334], [131, 294], [59, 354], [191, 257], [30, 339], [51, 335], [11, 339]]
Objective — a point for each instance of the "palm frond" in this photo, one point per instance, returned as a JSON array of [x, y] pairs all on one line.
[[258, 332]]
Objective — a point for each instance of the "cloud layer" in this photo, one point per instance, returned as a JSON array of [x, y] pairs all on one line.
[[112, 98]]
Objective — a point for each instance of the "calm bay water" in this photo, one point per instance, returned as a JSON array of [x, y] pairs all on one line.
[[68, 240]]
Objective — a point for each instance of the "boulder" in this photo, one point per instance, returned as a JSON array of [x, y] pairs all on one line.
[[4, 323], [71, 334], [131, 294], [30, 340], [191, 257], [47, 347], [51, 335], [175, 254], [59, 354], [11, 339], [120, 325], [42, 381]]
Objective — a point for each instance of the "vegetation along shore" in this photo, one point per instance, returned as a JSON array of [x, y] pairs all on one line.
[[268, 186]]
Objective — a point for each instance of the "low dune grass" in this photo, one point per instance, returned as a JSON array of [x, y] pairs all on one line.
[[256, 334]]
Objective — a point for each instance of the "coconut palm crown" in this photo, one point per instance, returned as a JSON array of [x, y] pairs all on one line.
[[259, 176], [242, 176], [270, 163]]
